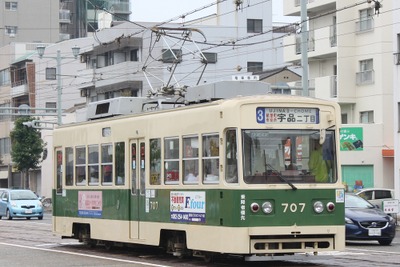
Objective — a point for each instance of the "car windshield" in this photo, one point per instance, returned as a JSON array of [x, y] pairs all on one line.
[[296, 156], [23, 195], [353, 201]]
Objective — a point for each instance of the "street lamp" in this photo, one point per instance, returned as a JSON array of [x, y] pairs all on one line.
[[75, 51]]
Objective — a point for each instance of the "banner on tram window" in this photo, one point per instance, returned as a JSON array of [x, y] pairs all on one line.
[[188, 206], [90, 204], [351, 139]]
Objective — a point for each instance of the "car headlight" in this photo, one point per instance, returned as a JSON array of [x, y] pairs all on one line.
[[267, 207], [348, 221], [391, 219], [318, 207]]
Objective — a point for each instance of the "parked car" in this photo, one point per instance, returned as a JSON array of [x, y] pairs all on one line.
[[376, 195], [365, 221], [20, 203]]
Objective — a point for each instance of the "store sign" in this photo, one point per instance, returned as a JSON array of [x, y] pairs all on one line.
[[351, 139], [287, 115]]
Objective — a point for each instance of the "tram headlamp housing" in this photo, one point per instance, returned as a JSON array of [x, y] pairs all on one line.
[[254, 207], [267, 207], [330, 207], [318, 207]]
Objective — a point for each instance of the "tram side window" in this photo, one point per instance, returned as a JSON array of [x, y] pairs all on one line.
[[106, 164], [59, 172], [69, 166], [155, 161], [210, 158], [142, 169], [93, 166], [171, 160], [120, 163], [191, 160], [231, 170], [80, 165]]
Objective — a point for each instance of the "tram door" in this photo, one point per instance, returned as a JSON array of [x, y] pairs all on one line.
[[137, 176]]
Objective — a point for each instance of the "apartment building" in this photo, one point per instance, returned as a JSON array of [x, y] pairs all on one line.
[[50, 21], [350, 55]]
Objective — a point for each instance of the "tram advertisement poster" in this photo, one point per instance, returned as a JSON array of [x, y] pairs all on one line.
[[90, 204], [188, 206]]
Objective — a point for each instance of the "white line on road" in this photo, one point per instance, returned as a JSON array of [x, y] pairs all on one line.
[[86, 255]]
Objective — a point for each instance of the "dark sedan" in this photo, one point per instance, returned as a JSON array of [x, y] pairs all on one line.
[[365, 221]]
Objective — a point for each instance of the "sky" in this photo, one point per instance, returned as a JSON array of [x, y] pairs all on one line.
[[163, 10]]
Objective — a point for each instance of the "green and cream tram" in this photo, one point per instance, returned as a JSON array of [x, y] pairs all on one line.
[[249, 176]]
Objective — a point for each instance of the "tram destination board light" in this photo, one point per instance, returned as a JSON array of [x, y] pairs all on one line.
[[75, 51]]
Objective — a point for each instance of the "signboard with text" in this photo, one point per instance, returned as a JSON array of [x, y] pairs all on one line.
[[351, 139]]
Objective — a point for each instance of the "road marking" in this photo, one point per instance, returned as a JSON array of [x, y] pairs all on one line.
[[374, 251], [86, 255]]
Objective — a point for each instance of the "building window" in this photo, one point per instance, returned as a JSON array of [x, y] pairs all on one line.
[[254, 25], [171, 55], [51, 73], [365, 22], [254, 66], [5, 77], [11, 30], [366, 74], [398, 117], [5, 145], [210, 57], [344, 118], [52, 105], [367, 116], [134, 55], [12, 6]]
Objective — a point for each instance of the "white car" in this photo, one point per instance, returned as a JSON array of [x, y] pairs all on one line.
[[376, 195]]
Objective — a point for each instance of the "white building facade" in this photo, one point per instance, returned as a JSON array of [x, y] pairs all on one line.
[[350, 55]]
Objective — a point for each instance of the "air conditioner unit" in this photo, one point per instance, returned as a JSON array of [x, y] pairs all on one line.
[[11, 35]]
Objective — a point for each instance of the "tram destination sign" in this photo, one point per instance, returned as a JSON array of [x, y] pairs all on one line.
[[287, 115]]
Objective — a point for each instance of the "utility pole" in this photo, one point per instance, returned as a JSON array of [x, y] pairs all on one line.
[[304, 47]]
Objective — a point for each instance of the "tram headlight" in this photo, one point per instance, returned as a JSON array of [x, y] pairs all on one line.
[[318, 207], [267, 207], [254, 207], [330, 206]]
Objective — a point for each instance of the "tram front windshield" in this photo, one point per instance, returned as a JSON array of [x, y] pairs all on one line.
[[288, 156]]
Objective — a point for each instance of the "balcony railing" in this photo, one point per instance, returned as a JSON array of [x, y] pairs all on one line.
[[65, 16], [333, 35], [365, 77], [364, 25], [311, 42], [397, 58], [334, 86]]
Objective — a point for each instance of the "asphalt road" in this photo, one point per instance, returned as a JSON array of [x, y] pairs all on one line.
[[32, 243]]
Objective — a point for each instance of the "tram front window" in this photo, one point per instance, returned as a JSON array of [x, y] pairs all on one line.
[[295, 156]]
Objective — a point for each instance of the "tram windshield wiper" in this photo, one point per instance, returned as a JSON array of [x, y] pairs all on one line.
[[278, 174]]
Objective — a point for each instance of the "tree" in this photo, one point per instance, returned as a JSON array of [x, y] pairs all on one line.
[[26, 147]]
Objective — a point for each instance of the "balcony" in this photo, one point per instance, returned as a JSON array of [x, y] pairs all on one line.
[[326, 87], [364, 25], [365, 77], [397, 58], [314, 7], [65, 16], [19, 88], [324, 46], [119, 7]]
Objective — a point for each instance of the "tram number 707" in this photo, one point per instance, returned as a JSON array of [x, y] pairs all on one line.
[[293, 207]]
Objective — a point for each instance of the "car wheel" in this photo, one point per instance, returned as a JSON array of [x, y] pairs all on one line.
[[386, 242], [8, 215], [40, 218]]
